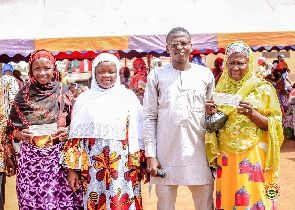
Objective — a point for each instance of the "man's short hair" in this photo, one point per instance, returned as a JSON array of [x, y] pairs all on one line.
[[177, 30]]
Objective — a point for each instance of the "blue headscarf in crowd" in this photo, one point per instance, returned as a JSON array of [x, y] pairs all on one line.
[[7, 67], [197, 59]]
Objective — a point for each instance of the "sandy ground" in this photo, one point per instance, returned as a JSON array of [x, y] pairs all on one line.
[[286, 181]]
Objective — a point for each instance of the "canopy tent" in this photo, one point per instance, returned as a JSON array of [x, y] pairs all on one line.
[[78, 29]]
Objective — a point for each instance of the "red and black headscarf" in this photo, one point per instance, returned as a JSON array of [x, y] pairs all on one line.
[[42, 54], [36, 103]]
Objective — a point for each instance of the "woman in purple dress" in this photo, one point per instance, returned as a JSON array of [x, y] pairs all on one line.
[[39, 117]]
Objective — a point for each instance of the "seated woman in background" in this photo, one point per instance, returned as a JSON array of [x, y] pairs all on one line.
[[261, 71], [139, 76], [39, 117], [287, 101], [283, 97], [217, 70]]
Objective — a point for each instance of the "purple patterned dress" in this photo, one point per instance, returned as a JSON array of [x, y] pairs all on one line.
[[41, 181]]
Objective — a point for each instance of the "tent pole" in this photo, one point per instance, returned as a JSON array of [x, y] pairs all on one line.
[[148, 59]]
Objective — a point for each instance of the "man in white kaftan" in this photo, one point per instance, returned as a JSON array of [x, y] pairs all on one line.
[[174, 131]]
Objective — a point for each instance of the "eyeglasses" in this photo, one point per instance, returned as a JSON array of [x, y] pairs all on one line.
[[238, 64], [181, 44]]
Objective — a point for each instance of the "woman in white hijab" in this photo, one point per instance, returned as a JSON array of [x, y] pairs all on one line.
[[104, 141]]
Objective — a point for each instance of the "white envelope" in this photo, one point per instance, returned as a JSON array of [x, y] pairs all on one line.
[[44, 129], [227, 99]]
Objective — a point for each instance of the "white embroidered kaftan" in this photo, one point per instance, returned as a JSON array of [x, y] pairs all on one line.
[[173, 130], [9, 90]]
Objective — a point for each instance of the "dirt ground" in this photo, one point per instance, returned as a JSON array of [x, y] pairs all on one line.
[[286, 182]]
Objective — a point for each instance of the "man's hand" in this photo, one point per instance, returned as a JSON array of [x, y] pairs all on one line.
[[152, 166], [73, 179], [10, 167], [145, 176]]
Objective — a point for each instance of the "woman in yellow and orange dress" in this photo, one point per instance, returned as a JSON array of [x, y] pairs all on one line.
[[105, 141], [246, 150]]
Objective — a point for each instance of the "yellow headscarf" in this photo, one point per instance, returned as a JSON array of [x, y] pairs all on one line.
[[246, 127]]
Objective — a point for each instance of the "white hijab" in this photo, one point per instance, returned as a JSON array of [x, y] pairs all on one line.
[[103, 113]]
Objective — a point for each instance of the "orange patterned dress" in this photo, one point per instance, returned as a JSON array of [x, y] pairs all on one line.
[[110, 175]]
